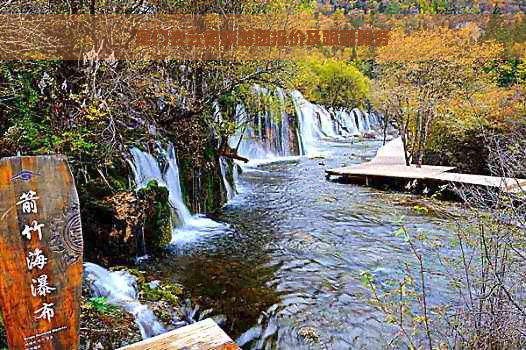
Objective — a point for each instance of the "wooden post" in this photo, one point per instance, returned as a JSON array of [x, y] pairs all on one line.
[[41, 250]]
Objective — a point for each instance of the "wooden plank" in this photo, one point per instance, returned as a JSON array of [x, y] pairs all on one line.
[[428, 172], [401, 171], [516, 186], [489, 181], [40, 253], [506, 184], [203, 335]]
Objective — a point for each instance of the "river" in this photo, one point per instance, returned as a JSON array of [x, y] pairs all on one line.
[[292, 251]]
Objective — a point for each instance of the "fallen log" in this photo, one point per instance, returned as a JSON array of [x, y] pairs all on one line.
[[236, 156]]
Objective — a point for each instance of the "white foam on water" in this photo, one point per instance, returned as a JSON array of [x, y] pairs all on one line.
[[120, 289], [191, 227]]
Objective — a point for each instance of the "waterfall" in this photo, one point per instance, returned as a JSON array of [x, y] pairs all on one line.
[[347, 123], [120, 289], [357, 115], [185, 226], [173, 184], [309, 130], [230, 192], [146, 168], [252, 143], [268, 136], [265, 136], [284, 136]]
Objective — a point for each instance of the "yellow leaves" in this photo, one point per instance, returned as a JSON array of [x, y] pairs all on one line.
[[491, 107], [84, 42], [437, 76], [518, 51], [420, 319], [212, 21], [461, 46], [37, 56], [94, 112], [331, 81]]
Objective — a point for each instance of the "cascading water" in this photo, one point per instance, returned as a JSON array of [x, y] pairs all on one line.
[[316, 122], [185, 226], [146, 168], [230, 192], [246, 139], [346, 122], [268, 136], [359, 119], [265, 136], [309, 126], [120, 289], [285, 131]]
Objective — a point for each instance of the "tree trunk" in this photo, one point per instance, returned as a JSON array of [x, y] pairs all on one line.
[[419, 140], [404, 143], [386, 124], [424, 135]]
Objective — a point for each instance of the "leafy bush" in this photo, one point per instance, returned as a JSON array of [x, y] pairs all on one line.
[[484, 282], [100, 304], [332, 82]]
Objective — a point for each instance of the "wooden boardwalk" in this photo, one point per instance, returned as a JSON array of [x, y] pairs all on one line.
[[203, 335], [426, 172], [389, 170], [389, 162], [506, 184]]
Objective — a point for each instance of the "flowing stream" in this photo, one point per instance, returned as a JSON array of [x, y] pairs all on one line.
[[287, 252], [120, 289], [294, 251]]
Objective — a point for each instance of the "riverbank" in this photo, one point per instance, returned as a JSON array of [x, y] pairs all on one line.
[[139, 302]]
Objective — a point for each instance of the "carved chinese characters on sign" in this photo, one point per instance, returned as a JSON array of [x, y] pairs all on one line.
[[36, 259], [35, 227], [46, 312], [41, 250], [40, 286], [28, 202]]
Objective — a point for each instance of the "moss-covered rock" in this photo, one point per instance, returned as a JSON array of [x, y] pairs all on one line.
[[154, 201], [136, 224]]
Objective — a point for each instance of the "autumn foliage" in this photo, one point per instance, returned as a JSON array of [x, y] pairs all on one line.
[[438, 83]]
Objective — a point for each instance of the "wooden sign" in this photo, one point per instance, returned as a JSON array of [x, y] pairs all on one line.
[[40, 253]]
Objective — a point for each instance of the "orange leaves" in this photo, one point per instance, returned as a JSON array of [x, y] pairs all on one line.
[[492, 107], [518, 51], [461, 46]]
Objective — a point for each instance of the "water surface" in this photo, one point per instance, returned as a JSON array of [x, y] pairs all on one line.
[[293, 252]]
